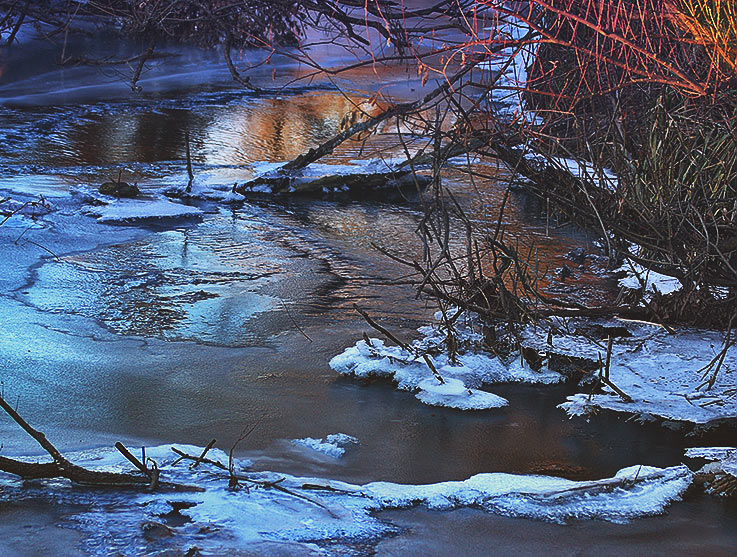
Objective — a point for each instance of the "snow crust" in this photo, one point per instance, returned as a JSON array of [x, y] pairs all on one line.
[[334, 445], [309, 514]]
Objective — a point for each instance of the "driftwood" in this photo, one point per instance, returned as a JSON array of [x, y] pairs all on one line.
[[197, 460], [60, 467], [607, 486]]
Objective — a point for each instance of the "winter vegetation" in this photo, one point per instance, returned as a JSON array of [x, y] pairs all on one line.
[[616, 116]]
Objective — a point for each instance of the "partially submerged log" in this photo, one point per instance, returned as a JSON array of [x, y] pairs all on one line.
[[355, 184]]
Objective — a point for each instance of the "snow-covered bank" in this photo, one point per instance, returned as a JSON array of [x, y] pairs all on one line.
[[665, 376], [311, 514], [636, 277]]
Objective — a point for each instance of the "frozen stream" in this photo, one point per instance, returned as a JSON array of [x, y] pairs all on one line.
[[180, 331]]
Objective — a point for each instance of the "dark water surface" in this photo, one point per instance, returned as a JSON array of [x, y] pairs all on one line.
[[186, 331]]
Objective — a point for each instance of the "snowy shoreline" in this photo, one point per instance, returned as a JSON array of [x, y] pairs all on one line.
[[309, 513]]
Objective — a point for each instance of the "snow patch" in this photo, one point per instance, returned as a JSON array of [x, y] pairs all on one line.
[[653, 282], [454, 394]]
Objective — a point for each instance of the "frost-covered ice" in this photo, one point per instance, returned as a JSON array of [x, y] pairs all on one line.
[[132, 210], [310, 514], [334, 445], [462, 378], [664, 374]]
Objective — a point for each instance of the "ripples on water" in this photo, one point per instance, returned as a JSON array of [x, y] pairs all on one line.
[[144, 143]]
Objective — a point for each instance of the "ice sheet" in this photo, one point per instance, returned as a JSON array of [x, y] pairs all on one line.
[[132, 210], [305, 514]]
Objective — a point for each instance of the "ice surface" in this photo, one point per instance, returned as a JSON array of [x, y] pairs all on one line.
[[132, 210], [333, 445], [305, 514]]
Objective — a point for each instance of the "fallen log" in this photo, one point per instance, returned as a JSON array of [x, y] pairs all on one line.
[[60, 467], [354, 184]]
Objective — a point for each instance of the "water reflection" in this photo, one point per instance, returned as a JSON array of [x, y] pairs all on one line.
[[238, 132], [213, 292], [275, 129]]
